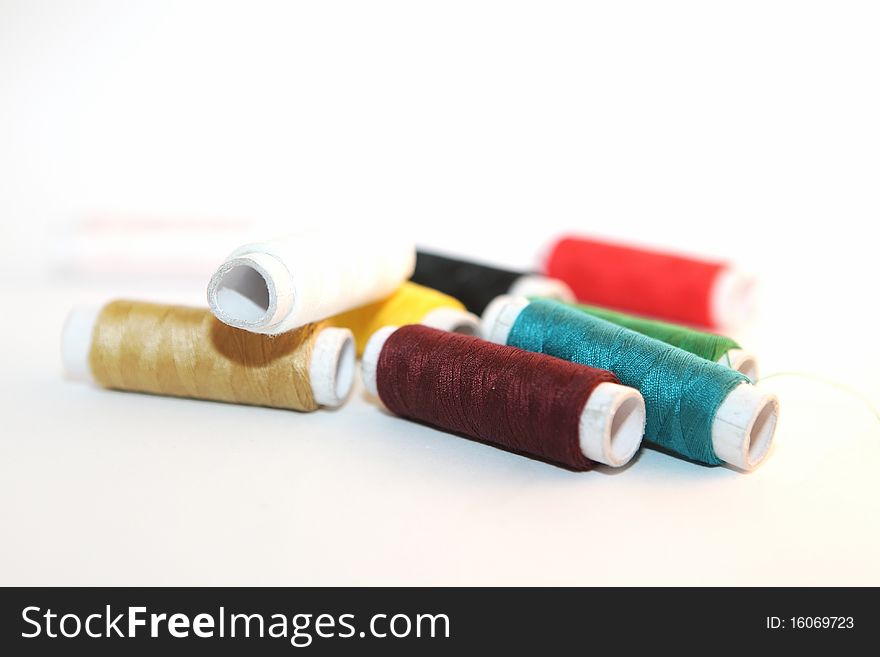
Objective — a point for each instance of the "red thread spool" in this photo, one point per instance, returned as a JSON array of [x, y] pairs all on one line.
[[529, 403], [652, 283]]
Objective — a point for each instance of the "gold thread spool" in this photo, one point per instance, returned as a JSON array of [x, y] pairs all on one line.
[[187, 352], [410, 304]]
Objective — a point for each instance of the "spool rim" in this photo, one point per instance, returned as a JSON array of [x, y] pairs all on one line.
[[332, 366], [370, 358], [499, 317], [612, 424], [742, 361], [252, 291], [452, 320], [76, 342], [744, 427]]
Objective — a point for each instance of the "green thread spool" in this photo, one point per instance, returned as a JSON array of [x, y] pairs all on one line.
[[717, 348], [698, 409]]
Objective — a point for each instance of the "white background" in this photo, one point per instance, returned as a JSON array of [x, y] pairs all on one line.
[[745, 130]]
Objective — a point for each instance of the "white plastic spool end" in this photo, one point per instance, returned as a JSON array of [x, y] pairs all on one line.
[[499, 317], [612, 424], [732, 298], [331, 370], [452, 320], [535, 285], [76, 342], [253, 291], [370, 359], [742, 361], [744, 425]]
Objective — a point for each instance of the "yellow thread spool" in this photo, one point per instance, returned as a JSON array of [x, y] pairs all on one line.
[[186, 352], [410, 304]]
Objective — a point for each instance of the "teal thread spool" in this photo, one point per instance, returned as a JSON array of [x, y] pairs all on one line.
[[717, 348], [698, 409]]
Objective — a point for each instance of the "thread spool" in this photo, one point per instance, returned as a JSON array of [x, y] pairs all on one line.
[[717, 348], [186, 352], [276, 286], [734, 421], [145, 246], [410, 304], [529, 403], [653, 283], [476, 284]]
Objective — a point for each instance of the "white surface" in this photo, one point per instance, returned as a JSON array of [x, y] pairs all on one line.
[[744, 131], [294, 280], [135, 245]]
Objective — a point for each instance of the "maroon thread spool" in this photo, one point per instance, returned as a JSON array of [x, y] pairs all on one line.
[[530, 403]]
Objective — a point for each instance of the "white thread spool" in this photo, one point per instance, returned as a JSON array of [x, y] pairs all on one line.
[[275, 286], [743, 428], [611, 426], [331, 369]]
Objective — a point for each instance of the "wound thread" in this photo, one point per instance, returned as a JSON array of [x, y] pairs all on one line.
[[410, 304], [186, 352], [525, 402], [282, 284], [635, 280], [700, 343], [474, 284], [682, 392]]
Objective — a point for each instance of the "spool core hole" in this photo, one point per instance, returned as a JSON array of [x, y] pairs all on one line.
[[243, 294], [762, 432], [626, 427], [345, 369]]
